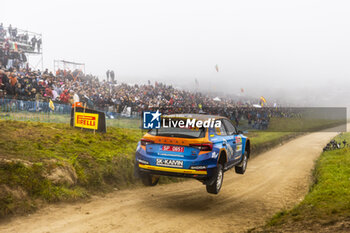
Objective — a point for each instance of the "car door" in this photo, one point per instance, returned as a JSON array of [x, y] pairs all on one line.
[[232, 140], [224, 140]]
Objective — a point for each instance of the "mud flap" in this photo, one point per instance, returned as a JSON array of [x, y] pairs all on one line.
[[137, 170], [211, 179]]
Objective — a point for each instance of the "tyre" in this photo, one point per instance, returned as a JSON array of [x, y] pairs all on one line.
[[215, 186], [149, 180], [240, 169]]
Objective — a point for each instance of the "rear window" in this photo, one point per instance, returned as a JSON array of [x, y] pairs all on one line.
[[180, 132]]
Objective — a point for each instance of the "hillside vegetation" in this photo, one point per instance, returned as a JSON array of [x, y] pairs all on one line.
[[326, 208], [56, 162]]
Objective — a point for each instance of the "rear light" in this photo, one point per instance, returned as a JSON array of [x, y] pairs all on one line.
[[203, 146], [145, 142]]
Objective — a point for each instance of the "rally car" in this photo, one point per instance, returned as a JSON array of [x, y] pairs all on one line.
[[181, 150]]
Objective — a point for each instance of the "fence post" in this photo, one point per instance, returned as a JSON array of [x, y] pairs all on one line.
[[83, 115], [74, 116]]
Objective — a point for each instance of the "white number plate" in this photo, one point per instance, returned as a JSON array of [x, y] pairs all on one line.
[[170, 163]]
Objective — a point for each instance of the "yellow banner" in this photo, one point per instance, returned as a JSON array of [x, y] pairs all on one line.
[[86, 120]]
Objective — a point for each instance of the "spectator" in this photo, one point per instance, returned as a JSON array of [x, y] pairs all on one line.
[[14, 33], [26, 38], [34, 40], [2, 31], [10, 30], [76, 97], [64, 97], [107, 74], [13, 82], [112, 76], [39, 44]]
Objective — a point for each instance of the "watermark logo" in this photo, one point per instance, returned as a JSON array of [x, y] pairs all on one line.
[[151, 120], [191, 123]]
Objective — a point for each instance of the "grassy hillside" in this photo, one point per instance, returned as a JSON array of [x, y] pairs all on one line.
[[327, 206], [56, 162]]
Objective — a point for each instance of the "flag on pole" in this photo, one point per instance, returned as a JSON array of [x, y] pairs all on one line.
[[52, 106], [262, 101], [217, 68]]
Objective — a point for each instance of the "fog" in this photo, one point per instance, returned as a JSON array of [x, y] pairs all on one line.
[[296, 51]]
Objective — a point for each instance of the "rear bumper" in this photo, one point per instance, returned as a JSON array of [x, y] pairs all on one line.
[[177, 172]]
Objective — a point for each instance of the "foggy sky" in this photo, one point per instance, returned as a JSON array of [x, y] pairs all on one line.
[[294, 50]]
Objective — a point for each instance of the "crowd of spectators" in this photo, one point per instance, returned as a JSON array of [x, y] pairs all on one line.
[[28, 84], [21, 38], [64, 87], [14, 44]]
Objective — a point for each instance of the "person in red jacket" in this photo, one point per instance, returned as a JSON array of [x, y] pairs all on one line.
[[64, 97], [48, 92]]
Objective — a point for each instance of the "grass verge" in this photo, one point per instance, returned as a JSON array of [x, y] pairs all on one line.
[[326, 208]]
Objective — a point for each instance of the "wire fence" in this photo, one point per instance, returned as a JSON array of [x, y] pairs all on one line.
[[40, 111]]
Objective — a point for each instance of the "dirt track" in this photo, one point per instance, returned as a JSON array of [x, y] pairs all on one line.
[[274, 180]]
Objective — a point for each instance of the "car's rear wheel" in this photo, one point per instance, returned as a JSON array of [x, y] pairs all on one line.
[[149, 180], [215, 186], [240, 169]]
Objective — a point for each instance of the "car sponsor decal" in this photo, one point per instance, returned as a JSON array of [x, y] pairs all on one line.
[[170, 163], [176, 142], [238, 140], [229, 150], [86, 120], [214, 155]]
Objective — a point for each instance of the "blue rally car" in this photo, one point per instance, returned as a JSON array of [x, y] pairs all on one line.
[[182, 147]]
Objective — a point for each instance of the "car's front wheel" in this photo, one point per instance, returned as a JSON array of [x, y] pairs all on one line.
[[148, 179], [215, 186]]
